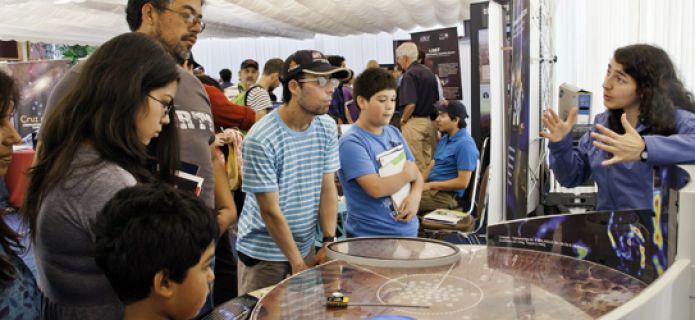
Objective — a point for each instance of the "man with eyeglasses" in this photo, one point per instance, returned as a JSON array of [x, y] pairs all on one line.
[[290, 159], [176, 24]]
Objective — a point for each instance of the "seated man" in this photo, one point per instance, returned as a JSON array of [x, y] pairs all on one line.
[[449, 172], [155, 244]]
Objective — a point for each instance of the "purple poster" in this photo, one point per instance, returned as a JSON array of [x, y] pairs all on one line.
[[518, 114], [442, 57], [484, 71]]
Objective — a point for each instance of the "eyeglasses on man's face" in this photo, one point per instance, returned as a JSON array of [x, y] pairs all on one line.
[[190, 19], [323, 81], [167, 105]]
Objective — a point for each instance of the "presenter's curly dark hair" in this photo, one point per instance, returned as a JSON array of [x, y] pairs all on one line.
[[150, 228], [658, 86]]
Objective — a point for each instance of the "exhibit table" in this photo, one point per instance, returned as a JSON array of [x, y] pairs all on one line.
[[482, 283]]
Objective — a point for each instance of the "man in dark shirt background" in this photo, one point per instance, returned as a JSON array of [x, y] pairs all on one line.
[[418, 93]]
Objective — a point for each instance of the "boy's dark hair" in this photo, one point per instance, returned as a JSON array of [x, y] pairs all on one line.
[[273, 66], [371, 81], [462, 122], [133, 11], [286, 93], [226, 75], [150, 228], [336, 61]]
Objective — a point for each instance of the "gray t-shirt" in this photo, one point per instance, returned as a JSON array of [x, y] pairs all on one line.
[[194, 115], [73, 285]]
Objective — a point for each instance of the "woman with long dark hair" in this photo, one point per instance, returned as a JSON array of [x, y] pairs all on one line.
[[19, 296], [114, 128], [649, 122]]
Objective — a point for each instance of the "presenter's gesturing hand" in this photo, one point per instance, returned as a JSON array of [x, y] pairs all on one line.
[[624, 147], [557, 129]]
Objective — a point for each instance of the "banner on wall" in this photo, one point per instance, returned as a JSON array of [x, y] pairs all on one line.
[[517, 118], [484, 71], [442, 57], [35, 81]]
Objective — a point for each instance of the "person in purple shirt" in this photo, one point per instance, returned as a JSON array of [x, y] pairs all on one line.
[[351, 110], [649, 122]]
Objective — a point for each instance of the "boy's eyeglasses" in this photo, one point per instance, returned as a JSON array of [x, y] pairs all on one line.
[[167, 105], [323, 81]]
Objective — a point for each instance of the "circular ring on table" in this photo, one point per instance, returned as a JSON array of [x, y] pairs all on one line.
[[332, 254]]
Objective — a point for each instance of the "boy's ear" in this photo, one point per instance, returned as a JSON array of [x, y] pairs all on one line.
[[360, 101], [163, 286], [294, 87]]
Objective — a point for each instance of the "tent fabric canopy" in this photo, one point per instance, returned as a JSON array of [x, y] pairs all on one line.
[[95, 21]]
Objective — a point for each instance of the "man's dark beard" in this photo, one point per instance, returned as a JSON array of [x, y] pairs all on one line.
[[180, 57]]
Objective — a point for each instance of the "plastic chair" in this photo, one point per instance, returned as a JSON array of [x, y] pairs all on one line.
[[482, 209]]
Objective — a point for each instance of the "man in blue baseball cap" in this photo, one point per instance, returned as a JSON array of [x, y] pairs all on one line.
[[449, 172]]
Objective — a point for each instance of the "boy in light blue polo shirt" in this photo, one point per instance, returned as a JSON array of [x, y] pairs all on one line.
[[369, 206]]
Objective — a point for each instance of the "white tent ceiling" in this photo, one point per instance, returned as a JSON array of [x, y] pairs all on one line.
[[95, 21]]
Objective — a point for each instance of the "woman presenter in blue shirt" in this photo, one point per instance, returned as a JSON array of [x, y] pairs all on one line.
[[649, 121]]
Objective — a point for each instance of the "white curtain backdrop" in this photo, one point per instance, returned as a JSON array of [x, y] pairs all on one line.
[[588, 31], [216, 54]]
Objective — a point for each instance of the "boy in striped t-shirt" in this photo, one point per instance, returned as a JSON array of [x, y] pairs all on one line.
[[290, 159]]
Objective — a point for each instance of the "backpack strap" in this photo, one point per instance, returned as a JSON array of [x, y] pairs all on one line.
[[246, 97]]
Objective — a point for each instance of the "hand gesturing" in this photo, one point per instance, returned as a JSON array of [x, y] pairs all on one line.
[[625, 147], [557, 129]]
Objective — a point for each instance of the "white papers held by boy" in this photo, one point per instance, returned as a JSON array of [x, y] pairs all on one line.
[[392, 162]]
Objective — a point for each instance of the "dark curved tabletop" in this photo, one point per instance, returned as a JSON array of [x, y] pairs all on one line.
[[486, 283]]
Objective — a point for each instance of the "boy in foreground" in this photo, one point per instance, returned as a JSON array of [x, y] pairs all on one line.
[[370, 209], [155, 244]]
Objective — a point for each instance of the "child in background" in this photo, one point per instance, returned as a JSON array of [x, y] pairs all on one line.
[[154, 244], [370, 209]]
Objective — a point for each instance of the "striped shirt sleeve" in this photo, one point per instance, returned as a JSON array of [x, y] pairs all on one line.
[[259, 171], [332, 163], [258, 99]]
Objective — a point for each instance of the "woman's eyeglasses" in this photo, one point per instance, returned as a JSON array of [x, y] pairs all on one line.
[[167, 105]]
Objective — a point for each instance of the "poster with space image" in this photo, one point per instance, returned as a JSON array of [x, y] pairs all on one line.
[[517, 115], [35, 80], [641, 243], [441, 49]]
